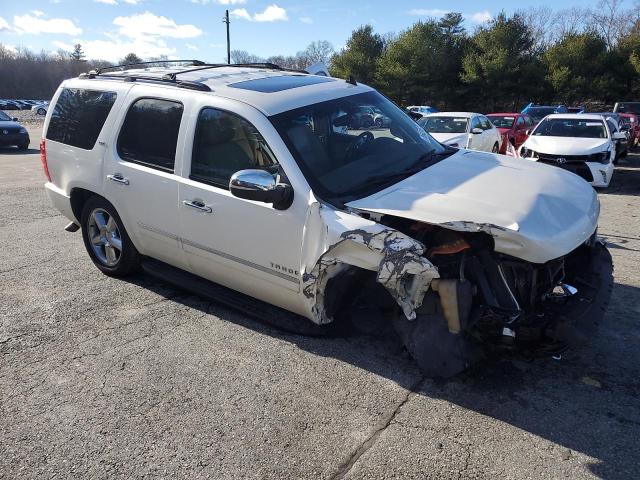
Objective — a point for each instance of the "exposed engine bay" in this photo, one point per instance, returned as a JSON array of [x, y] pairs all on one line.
[[481, 300]]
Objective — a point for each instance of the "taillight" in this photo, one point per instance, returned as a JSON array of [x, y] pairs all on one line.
[[43, 159]]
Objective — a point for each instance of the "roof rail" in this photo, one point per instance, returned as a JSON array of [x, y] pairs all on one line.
[[202, 87], [151, 62], [207, 66]]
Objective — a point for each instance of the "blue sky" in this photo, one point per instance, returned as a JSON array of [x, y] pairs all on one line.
[[109, 29]]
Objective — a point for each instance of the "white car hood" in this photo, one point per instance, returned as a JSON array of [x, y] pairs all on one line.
[[567, 145], [448, 138], [534, 212]]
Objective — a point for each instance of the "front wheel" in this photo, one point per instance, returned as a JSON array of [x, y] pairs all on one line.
[[23, 146], [106, 239]]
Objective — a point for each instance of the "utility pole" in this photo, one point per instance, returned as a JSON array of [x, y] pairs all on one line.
[[226, 20]]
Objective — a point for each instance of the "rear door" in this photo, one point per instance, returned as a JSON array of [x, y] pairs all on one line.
[[139, 170]]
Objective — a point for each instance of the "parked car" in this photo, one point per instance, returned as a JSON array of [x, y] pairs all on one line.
[[361, 117], [583, 144], [12, 133], [462, 130], [538, 112], [422, 109], [9, 105], [514, 128], [199, 178], [633, 121], [627, 107], [40, 108]]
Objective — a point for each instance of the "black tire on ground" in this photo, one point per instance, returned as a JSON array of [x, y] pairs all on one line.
[[438, 352], [23, 146], [495, 148], [128, 259]]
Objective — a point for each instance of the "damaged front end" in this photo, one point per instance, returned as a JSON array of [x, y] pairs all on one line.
[[459, 297]]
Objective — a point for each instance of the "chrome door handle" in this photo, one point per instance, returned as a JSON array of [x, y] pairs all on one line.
[[198, 205], [118, 178]]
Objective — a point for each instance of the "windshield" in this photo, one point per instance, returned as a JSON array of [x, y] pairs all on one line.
[[538, 113], [345, 155], [570, 127], [501, 121], [628, 107], [4, 117], [444, 124]]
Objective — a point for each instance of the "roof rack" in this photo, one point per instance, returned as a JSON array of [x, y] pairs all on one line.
[[171, 77]]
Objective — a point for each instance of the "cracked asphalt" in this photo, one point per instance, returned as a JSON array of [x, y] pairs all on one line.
[[105, 378]]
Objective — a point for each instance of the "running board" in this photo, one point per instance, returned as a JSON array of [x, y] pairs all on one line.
[[72, 227], [257, 309]]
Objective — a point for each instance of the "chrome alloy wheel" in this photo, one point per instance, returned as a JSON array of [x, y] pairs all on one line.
[[104, 236]]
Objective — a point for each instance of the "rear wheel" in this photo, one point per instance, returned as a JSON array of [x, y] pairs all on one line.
[[378, 122], [106, 239]]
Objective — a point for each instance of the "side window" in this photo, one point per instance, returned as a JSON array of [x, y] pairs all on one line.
[[78, 116], [225, 143], [149, 134], [520, 123], [485, 124]]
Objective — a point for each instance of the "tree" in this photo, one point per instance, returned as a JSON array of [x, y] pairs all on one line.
[[499, 66], [360, 55], [242, 56], [77, 54], [610, 21], [130, 58], [317, 52]]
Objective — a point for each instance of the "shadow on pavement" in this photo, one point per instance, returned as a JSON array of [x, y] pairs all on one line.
[[16, 151], [587, 402], [626, 178]]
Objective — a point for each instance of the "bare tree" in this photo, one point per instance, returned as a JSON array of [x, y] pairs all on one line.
[[569, 21], [242, 56], [540, 21]]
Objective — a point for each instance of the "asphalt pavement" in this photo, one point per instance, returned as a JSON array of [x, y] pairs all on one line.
[[108, 378]]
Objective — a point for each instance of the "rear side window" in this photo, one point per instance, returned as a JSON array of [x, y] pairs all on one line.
[[79, 115], [149, 134]]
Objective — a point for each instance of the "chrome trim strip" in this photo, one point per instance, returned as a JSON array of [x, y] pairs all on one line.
[[218, 253]]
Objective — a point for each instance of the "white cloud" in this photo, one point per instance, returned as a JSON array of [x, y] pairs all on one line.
[[307, 20], [4, 25], [37, 13], [190, 46], [107, 2], [480, 17], [428, 12], [220, 2], [148, 26], [132, 2], [114, 50], [35, 26], [273, 13]]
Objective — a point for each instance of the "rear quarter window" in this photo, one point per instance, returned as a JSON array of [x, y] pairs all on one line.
[[79, 115]]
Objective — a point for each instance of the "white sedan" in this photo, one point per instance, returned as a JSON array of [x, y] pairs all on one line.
[[581, 143], [462, 130], [40, 108]]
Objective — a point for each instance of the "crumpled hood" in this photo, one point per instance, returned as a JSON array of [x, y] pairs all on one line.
[[535, 212], [567, 145], [449, 138]]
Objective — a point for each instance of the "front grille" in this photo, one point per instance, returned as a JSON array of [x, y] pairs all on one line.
[[546, 157], [579, 168]]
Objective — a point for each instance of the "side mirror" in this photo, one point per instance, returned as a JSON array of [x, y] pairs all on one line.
[[261, 186], [619, 136], [477, 131], [15, 119]]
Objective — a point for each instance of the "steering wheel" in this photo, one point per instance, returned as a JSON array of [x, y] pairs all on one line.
[[358, 144]]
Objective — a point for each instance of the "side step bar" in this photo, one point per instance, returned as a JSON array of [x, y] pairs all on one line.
[[257, 309], [72, 227]]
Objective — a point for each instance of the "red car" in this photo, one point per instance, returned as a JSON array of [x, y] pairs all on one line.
[[513, 127], [633, 121]]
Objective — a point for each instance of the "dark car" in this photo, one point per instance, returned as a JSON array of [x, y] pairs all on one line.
[[627, 107], [513, 127], [538, 112], [12, 133], [10, 105]]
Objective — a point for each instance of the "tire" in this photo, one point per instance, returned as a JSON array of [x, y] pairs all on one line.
[[23, 146], [438, 352], [41, 111], [379, 123], [495, 148], [100, 221]]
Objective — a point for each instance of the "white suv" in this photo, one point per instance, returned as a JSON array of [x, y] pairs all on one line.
[[251, 177]]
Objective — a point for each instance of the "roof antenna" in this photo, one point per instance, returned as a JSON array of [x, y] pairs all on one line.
[[352, 80]]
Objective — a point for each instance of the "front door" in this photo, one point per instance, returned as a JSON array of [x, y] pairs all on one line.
[[245, 245]]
